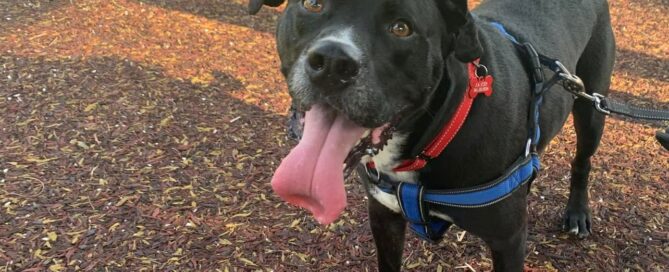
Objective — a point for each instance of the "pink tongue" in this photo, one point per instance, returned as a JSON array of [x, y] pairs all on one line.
[[311, 176]]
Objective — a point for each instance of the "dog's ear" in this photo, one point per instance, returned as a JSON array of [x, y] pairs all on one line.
[[256, 5], [460, 24]]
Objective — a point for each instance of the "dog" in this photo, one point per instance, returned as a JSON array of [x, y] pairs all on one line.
[[373, 73]]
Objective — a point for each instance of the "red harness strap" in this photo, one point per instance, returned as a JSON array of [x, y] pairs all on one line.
[[477, 85]]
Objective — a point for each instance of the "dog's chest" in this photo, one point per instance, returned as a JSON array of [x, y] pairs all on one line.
[[385, 161], [389, 158]]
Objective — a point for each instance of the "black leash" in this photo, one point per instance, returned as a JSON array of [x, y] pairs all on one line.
[[632, 111], [608, 106]]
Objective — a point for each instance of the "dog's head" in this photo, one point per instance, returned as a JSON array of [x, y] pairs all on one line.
[[357, 67], [370, 59]]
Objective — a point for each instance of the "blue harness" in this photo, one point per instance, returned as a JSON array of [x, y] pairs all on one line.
[[414, 198]]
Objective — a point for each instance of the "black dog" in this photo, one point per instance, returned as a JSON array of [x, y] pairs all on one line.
[[378, 70]]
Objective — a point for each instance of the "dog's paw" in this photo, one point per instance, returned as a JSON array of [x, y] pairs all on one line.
[[577, 221]]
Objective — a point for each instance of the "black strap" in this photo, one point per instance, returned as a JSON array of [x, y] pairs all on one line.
[[632, 111], [536, 72]]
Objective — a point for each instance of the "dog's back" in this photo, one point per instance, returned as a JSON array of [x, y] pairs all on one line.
[[556, 28], [579, 34]]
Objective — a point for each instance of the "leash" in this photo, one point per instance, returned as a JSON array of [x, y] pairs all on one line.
[[574, 85]]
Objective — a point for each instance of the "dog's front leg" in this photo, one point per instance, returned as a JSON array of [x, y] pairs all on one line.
[[504, 228], [509, 255], [388, 229]]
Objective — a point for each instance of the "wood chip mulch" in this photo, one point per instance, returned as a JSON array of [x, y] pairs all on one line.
[[141, 135]]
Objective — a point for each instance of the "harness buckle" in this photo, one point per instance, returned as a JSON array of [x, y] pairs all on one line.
[[571, 82], [574, 85], [528, 147]]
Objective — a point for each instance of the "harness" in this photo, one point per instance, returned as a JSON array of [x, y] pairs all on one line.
[[414, 199]]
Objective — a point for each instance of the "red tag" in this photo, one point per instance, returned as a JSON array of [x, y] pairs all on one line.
[[480, 85]]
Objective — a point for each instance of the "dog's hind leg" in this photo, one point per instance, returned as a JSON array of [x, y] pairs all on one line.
[[595, 68], [388, 229]]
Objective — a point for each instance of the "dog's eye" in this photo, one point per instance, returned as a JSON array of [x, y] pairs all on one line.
[[315, 6], [401, 29]]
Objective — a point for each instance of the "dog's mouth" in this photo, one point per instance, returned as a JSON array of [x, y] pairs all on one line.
[[370, 144], [311, 176]]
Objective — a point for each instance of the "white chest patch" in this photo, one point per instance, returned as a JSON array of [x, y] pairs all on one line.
[[385, 162], [388, 159]]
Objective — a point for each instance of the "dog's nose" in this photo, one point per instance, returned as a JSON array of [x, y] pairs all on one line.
[[330, 65]]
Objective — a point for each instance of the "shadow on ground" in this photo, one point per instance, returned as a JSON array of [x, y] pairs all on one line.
[[28, 10], [123, 163], [227, 11], [642, 65]]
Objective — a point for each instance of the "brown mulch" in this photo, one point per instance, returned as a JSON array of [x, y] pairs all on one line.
[[141, 135]]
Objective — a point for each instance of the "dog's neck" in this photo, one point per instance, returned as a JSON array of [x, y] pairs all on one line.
[[483, 149], [424, 126]]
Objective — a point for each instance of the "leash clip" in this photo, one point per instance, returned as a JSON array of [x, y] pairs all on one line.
[[598, 99], [571, 82]]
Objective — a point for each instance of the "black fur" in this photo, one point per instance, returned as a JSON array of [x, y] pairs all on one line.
[[414, 76]]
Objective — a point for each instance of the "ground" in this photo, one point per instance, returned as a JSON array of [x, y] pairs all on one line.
[[142, 135]]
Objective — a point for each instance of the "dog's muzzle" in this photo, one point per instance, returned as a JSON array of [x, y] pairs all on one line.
[[331, 66]]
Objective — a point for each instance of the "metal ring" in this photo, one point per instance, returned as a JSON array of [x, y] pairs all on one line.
[[598, 103], [561, 66], [476, 72]]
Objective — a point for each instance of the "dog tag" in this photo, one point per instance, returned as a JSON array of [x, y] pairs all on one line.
[[480, 85]]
